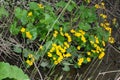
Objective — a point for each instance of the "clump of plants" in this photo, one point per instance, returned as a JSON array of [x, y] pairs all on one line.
[[66, 34]]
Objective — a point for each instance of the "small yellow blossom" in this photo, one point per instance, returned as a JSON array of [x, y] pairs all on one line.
[[72, 31], [103, 43], [66, 44], [97, 6], [28, 35], [114, 21], [101, 55], [111, 40], [54, 58], [67, 55], [22, 30], [55, 33], [101, 24], [80, 61], [88, 59], [30, 14], [103, 4], [40, 47], [41, 6], [49, 54], [78, 47], [30, 59], [82, 32], [55, 62], [77, 34], [91, 42], [89, 53], [29, 62], [83, 39], [30, 55]]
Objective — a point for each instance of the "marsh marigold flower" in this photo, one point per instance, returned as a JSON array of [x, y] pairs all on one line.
[[88, 59], [22, 30], [80, 61], [40, 47], [30, 14], [28, 35], [78, 47], [41, 6], [111, 40], [97, 6], [101, 55], [30, 60]]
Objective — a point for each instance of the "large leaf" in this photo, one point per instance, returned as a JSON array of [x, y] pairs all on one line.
[[21, 15], [33, 6], [84, 26], [13, 28], [9, 71]]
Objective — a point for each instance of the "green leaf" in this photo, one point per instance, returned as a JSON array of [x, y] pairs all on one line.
[[61, 4], [21, 15], [66, 63], [17, 49], [84, 26], [14, 29], [34, 33], [3, 12], [18, 12], [44, 64], [66, 68], [9, 71], [33, 6]]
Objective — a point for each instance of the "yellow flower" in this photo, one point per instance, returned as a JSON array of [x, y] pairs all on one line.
[[28, 35], [103, 43], [49, 54], [96, 40], [102, 3], [111, 40], [72, 31], [30, 14], [114, 21], [55, 33], [66, 44], [52, 49], [22, 30], [68, 36], [104, 16], [107, 24], [82, 32], [67, 55], [80, 61], [78, 47], [54, 58], [41, 6], [83, 39], [30, 55], [101, 24], [54, 45], [40, 47], [55, 62], [88, 59], [101, 55], [89, 53], [30, 63], [97, 6], [77, 34], [91, 42]]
